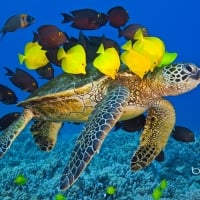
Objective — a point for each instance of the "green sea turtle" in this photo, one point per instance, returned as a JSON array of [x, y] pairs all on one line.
[[101, 102]]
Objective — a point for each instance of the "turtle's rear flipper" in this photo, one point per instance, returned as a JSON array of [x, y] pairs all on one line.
[[159, 124], [45, 133], [102, 120], [10, 133]]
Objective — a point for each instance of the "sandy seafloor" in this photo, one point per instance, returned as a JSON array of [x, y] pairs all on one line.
[[174, 21], [109, 167]]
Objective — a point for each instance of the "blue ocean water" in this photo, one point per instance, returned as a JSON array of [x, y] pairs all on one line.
[[177, 24]]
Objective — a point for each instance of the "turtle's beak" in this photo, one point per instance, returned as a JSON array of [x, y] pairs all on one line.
[[196, 76]]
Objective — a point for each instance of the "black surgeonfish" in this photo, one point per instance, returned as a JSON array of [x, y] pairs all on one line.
[[182, 134], [82, 40], [7, 119], [118, 16], [131, 125], [22, 80], [52, 56], [107, 42], [160, 157], [50, 36], [7, 96], [129, 31], [85, 19], [91, 44], [46, 72], [17, 21]]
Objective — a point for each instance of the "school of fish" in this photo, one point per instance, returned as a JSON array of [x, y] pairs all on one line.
[[51, 47]]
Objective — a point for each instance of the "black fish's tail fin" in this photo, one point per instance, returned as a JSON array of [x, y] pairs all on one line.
[[3, 32], [35, 37], [9, 72], [67, 18], [120, 32]]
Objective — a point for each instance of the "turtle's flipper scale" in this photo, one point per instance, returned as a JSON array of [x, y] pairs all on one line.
[[159, 124], [45, 133], [9, 135], [104, 117]]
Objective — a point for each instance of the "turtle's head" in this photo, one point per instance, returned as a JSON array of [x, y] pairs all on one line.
[[179, 78]]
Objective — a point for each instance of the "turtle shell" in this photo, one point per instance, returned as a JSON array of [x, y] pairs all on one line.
[[67, 81], [65, 96]]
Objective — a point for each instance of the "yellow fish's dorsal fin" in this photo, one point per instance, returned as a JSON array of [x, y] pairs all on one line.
[[21, 58], [76, 49], [74, 60], [138, 35], [108, 62], [61, 53], [127, 46], [167, 59], [30, 45], [100, 49]]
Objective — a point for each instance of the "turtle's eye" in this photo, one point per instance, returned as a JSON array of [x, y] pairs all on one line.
[[190, 68]]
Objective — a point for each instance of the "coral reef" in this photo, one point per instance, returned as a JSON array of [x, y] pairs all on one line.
[[109, 167]]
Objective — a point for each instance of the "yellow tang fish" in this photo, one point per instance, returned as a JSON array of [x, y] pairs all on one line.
[[138, 63], [153, 46], [74, 60], [167, 59], [34, 56], [108, 61]]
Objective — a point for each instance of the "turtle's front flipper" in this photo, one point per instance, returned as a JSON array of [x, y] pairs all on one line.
[[10, 133], [45, 133], [104, 117], [159, 124]]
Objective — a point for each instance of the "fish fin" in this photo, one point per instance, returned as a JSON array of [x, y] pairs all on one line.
[[35, 37], [21, 58], [67, 18], [138, 35], [9, 72], [120, 32], [61, 53], [127, 46], [82, 39], [100, 49], [167, 58], [30, 45], [3, 33]]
